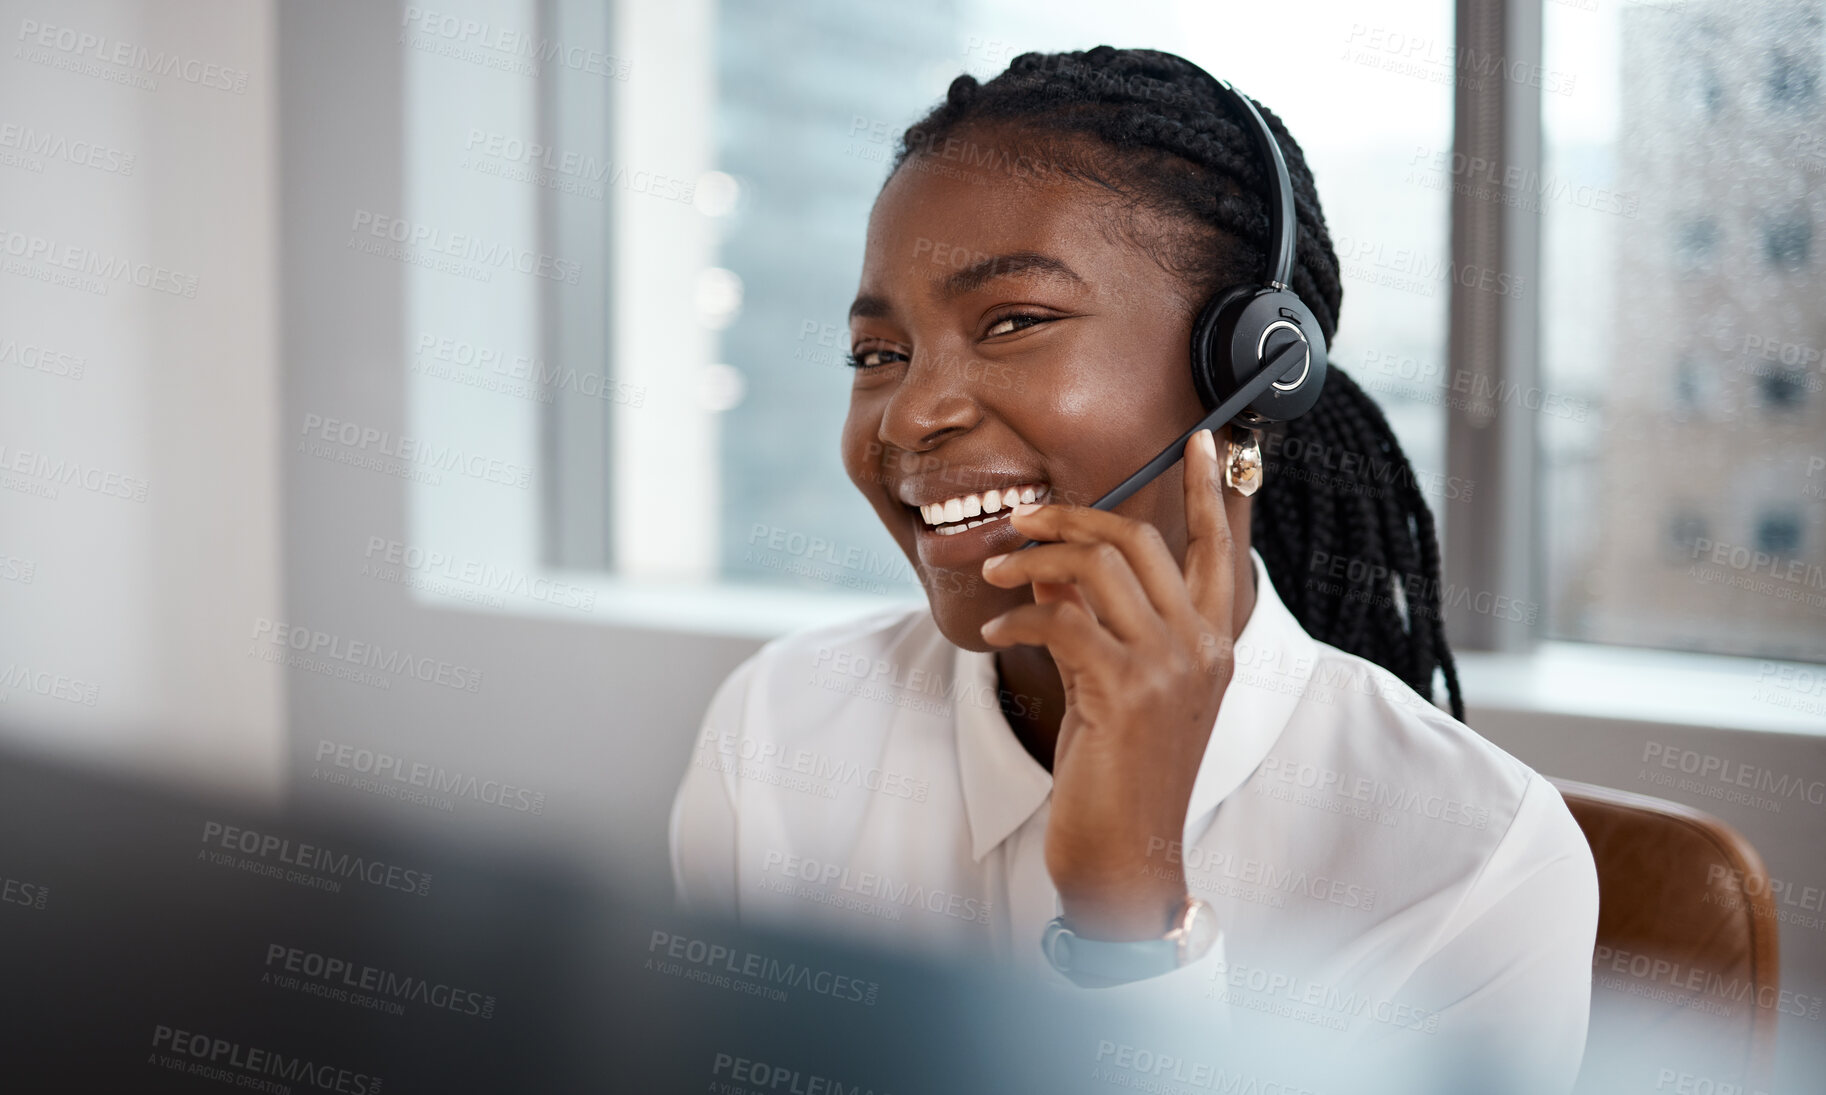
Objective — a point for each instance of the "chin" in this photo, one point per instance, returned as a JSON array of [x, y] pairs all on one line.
[[961, 604]]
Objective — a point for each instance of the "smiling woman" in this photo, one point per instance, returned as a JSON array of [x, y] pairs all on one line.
[[1210, 743]]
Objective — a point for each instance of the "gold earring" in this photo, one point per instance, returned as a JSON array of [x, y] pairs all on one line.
[[1243, 471]]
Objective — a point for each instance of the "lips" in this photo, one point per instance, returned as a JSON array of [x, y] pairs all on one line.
[[954, 515], [965, 544], [960, 514]]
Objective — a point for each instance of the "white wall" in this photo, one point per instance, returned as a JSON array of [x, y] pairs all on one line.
[[150, 602]]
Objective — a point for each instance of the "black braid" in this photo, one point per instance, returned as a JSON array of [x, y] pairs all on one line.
[[1340, 521]]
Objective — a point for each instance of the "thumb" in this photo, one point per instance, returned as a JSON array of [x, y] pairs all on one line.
[[1210, 544]]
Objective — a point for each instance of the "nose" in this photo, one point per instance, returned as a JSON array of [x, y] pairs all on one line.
[[932, 402]]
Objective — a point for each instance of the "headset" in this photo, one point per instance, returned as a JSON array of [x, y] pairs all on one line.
[[1258, 354]]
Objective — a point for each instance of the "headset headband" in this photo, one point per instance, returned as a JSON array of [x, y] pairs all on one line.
[[1280, 189]]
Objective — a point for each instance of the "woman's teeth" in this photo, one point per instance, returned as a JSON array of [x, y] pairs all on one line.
[[967, 506]]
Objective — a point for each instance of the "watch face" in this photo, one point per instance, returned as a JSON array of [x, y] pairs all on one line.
[[1201, 930]]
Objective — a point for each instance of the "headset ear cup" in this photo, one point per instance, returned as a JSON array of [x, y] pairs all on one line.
[[1264, 324], [1213, 375]]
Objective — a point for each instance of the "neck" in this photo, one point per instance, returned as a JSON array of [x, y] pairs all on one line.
[[1034, 693]]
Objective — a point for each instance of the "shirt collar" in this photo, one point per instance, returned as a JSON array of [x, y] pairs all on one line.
[[1003, 785]]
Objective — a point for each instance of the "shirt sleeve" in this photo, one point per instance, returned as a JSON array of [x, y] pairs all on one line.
[[1510, 982], [702, 830]]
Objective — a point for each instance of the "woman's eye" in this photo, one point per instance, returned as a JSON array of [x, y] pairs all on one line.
[[869, 359], [1008, 325]]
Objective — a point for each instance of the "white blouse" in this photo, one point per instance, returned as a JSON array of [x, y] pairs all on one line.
[[1376, 867]]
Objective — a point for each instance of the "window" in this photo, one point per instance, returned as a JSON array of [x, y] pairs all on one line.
[[1686, 387], [1703, 351], [1711, 92], [1783, 389], [1791, 81], [1785, 241], [1695, 246], [1685, 530], [1779, 534]]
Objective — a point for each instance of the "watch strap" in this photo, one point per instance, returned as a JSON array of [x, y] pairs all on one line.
[[1097, 963]]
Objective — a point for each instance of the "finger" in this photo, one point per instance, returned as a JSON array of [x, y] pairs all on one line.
[[1210, 545], [1077, 642], [1141, 544], [1101, 572], [1047, 592]]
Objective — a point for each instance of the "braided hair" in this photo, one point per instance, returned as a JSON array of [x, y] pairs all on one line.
[[1343, 528]]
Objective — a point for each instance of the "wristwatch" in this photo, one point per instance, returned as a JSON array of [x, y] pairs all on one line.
[[1096, 963]]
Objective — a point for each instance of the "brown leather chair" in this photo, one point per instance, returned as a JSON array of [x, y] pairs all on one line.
[[1686, 959]]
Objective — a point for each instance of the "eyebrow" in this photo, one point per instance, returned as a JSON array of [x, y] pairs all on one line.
[[978, 274]]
